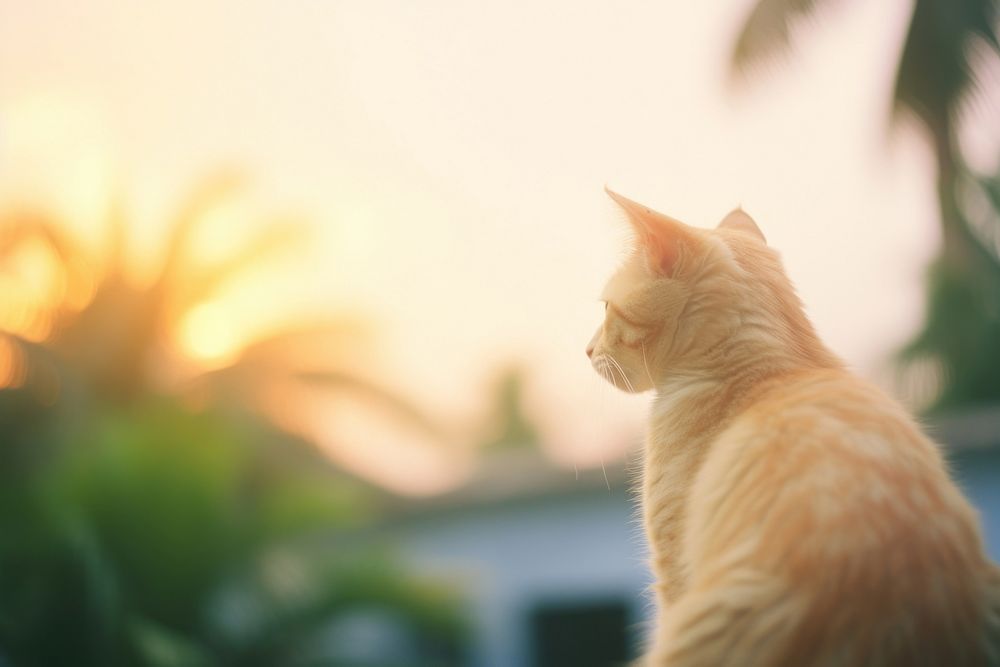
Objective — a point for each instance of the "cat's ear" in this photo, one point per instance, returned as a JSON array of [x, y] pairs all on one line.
[[740, 220], [663, 239]]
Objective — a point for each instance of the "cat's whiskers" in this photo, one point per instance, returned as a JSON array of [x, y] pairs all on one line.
[[603, 368], [608, 372], [621, 371], [645, 364]]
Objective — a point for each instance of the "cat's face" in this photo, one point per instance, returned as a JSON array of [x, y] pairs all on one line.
[[681, 293]]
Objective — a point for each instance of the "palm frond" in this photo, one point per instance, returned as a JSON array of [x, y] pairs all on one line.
[[768, 33], [275, 237], [979, 199], [373, 394], [312, 356], [329, 338], [117, 236], [209, 193], [937, 70]]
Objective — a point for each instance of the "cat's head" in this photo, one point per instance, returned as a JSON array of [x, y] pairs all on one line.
[[690, 301]]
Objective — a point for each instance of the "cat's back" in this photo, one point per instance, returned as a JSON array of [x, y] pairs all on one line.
[[827, 488]]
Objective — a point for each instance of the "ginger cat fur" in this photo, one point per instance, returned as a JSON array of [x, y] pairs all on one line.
[[796, 515]]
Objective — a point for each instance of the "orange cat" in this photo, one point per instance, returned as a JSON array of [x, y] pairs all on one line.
[[796, 515]]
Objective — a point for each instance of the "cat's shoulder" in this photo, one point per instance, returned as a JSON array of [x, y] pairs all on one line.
[[823, 400], [822, 418]]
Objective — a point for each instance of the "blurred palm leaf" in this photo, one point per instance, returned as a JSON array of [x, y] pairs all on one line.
[[276, 237], [767, 34], [119, 343], [207, 195], [936, 70]]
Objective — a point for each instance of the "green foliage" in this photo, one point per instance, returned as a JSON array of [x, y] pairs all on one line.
[[132, 546], [961, 332]]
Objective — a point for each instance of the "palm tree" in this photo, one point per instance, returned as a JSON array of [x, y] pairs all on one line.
[[509, 428], [948, 45], [120, 345], [151, 520]]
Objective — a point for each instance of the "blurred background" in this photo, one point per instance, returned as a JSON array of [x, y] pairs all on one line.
[[294, 299]]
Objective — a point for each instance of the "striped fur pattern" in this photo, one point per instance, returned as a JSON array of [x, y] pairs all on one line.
[[796, 515]]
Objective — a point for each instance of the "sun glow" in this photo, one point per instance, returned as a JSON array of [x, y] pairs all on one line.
[[207, 334], [33, 287]]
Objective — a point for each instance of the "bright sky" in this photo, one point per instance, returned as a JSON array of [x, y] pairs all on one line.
[[453, 155]]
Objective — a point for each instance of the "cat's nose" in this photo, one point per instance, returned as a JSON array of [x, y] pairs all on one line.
[[590, 350]]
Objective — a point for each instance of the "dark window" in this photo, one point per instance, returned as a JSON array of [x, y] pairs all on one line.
[[591, 634]]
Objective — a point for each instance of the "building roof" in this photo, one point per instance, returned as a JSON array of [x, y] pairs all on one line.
[[971, 428], [519, 475]]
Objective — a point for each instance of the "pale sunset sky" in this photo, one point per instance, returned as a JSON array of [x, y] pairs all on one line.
[[452, 156]]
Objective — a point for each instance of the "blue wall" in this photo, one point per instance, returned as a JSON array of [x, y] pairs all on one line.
[[514, 556], [978, 473]]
